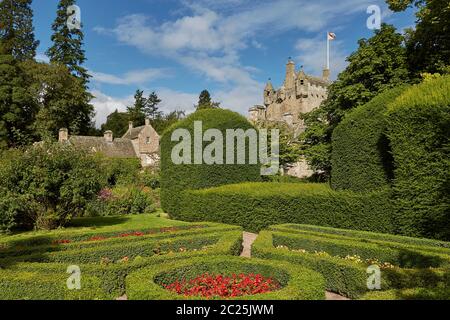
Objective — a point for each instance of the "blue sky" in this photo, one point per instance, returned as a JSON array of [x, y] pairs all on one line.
[[230, 47]]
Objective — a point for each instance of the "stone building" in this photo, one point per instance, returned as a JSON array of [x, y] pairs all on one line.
[[140, 142], [299, 94]]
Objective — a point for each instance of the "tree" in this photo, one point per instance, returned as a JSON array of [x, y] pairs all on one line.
[[62, 99], [205, 102], [16, 29], [67, 47], [136, 111], [17, 110], [380, 63], [428, 45], [117, 122], [164, 121], [151, 109]]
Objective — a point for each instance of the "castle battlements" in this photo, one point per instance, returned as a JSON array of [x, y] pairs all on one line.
[[300, 93]]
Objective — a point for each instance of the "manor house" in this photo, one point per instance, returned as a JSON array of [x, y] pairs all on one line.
[[140, 142]]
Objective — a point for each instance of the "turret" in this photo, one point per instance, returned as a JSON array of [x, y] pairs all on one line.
[[289, 82], [269, 93]]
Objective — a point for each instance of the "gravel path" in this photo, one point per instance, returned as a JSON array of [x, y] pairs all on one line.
[[249, 238]]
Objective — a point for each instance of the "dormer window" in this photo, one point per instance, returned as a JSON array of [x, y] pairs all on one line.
[[302, 82]]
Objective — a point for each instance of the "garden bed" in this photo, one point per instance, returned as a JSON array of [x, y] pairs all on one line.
[[289, 282], [343, 260]]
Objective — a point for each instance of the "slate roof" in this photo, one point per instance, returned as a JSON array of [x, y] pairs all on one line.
[[133, 133], [119, 148]]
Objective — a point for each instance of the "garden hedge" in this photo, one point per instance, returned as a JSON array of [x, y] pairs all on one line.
[[361, 158], [298, 283], [109, 275], [419, 132], [409, 294], [346, 274], [256, 206], [177, 178]]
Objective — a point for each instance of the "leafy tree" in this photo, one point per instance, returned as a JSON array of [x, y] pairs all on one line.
[[17, 110], [205, 102], [16, 29], [428, 45], [62, 99], [67, 47], [379, 64], [164, 121], [117, 122]]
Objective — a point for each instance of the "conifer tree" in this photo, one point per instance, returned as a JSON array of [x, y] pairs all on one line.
[[16, 29], [67, 45]]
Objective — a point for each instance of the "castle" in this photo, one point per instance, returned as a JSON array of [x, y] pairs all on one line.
[[140, 142], [300, 93]]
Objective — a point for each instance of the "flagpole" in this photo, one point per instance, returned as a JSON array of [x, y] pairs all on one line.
[[328, 51]]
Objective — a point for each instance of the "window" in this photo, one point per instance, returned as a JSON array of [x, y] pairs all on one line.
[[147, 140]]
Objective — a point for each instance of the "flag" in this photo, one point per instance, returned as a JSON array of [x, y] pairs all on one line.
[[331, 36]]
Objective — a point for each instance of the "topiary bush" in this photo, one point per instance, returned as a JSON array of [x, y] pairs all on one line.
[[419, 132], [297, 283], [177, 178], [361, 159], [256, 206]]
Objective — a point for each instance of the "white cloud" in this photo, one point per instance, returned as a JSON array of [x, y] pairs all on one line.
[[42, 57], [211, 35], [136, 77]]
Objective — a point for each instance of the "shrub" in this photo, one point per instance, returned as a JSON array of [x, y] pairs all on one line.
[[345, 273], [46, 185], [178, 178], [410, 294], [256, 206], [361, 159], [419, 131], [297, 283], [121, 171]]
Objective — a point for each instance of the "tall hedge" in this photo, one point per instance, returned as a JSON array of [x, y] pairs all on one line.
[[175, 178], [361, 158], [419, 131], [256, 206]]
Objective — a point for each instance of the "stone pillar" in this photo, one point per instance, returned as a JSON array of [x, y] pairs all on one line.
[[108, 136], [147, 122], [130, 125], [326, 74], [63, 135]]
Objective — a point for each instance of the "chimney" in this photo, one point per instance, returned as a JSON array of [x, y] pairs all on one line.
[[63, 135], [130, 125], [147, 122], [326, 74], [108, 136], [289, 82]]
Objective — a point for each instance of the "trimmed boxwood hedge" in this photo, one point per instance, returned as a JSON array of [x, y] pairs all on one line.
[[256, 206], [177, 178], [419, 132], [361, 158], [427, 244], [409, 294], [348, 277], [111, 276], [33, 285], [297, 283]]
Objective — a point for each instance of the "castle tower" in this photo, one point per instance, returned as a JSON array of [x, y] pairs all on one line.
[[269, 94], [289, 82]]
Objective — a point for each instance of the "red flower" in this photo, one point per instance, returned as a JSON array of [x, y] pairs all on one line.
[[208, 286]]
